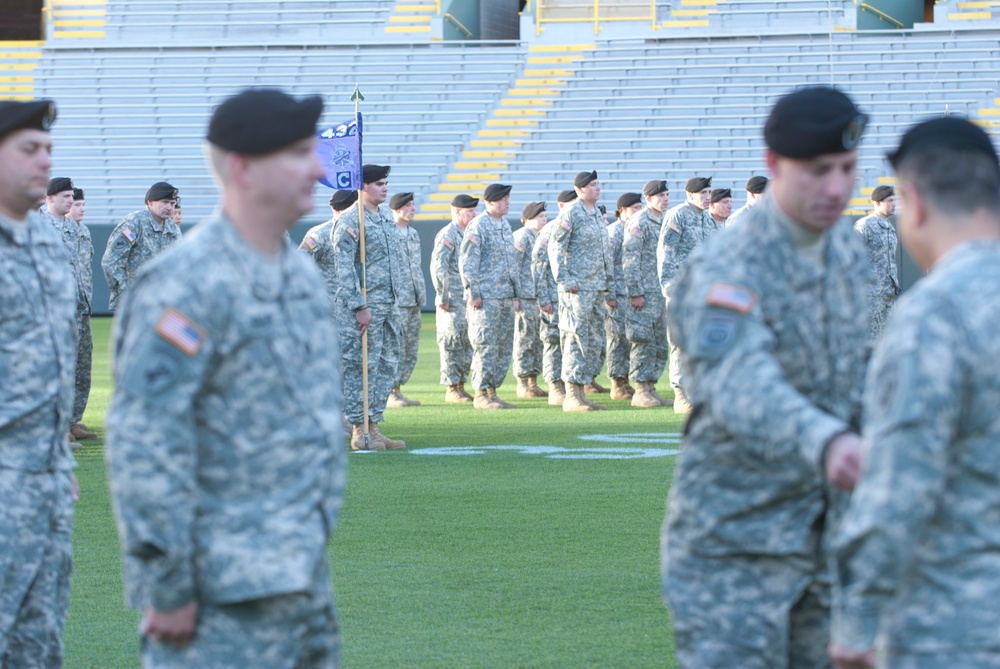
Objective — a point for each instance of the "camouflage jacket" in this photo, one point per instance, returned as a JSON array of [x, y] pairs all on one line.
[[133, 242]]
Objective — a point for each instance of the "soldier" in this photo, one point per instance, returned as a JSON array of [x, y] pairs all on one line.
[[581, 265], [38, 329], [755, 190], [411, 295], [721, 205], [618, 347], [449, 317], [527, 342], [769, 317], [220, 340], [918, 549], [177, 216], [645, 323], [79, 208], [685, 228], [318, 244], [139, 237], [880, 239], [492, 288], [548, 305], [375, 313]]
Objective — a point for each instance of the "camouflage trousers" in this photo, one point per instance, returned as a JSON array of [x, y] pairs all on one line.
[[752, 612], [548, 332], [36, 523], [410, 333], [581, 320], [84, 353], [527, 341], [879, 307], [383, 360], [647, 333], [618, 347], [453, 344], [491, 331], [293, 631], [952, 659], [674, 355]]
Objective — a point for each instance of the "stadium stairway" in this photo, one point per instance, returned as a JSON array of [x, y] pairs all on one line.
[[412, 17], [18, 62], [78, 19]]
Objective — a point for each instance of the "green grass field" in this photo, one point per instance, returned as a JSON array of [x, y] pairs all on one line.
[[491, 558]]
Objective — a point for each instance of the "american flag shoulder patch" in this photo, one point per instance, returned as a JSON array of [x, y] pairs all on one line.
[[566, 224], [473, 238], [128, 234], [519, 246], [447, 243], [310, 243], [351, 231], [636, 230], [673, 226], [181, 331], [729, 296]]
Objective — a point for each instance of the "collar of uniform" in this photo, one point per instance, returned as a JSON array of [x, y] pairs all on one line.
[[648, 213], [808, 247], [957, 254], [16, 231]]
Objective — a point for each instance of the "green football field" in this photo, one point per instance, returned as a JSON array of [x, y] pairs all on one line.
[[522, 538]]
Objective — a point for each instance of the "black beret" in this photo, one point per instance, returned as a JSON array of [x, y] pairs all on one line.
[[161, 190], [78, 194], [342, 199], [464, 201], [698, 184], [944, 132], [33, 115], [372, 173], [720, 194], [584, 178], [258, 121], [531, 210], [654, 187], [756, 185], [566, 196], [59, 184], [882, 192], [813, 121], [400, 200], [495, 192], [627, 200], [601, 208]]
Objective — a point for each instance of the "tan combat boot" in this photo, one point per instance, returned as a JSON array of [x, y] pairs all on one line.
[[643, 396], [681, 404], [594, 405], [390, 444], [358, 439], [523, 391], [595, 387], [557, 393], [395, 399], [348, 428], [492, 392], [576, 399], [464, 392], [484, 401], [664, 401], [533, 386], [621, 390], [409, 402], [81, 431], [454, 395]]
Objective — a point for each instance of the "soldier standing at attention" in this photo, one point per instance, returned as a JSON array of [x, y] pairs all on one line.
[[220, 340], [139, 237], [411, 296], [450, 318], [721, 205], [548, 306], [755, 190], [618, 347], [684, 229], [527, 342], [177, 216], [376, 314], [38, 300], [581, 265], [79, 208], [770, 320], [645, 321], [492, 288], [880, 239], [318, 243]]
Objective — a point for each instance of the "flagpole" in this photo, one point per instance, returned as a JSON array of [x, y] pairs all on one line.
[[357, 98]]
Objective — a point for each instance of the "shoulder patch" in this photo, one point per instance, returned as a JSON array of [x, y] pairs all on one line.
[[635, 230], [729, 296], [673, 225], [128, 234], [566, 224], [518, 245], [181, 331], [544, 241], [473, 238], [447, 243], [310, 243], [717, 331], [352, 231]]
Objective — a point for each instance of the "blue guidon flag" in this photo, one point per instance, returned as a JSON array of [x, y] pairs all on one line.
[[339, 151]]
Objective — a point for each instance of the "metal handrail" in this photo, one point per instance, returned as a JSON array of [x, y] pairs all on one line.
[[882, 15], [596, 16], [458, 24]]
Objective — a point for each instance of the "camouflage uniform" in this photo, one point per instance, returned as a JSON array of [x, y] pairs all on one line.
[[527, 342], [136, 239], [318, 245], [382, 268], [738, 215], [545, 289], [452, 328], [645, 328], [489, 270], [225, 450], [410, 298], [578, 253], [37, 362], [919, 548], [771, 323], [614, 321], [883, 281]]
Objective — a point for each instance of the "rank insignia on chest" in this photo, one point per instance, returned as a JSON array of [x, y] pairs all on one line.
[[128, 234], [473, 238], [566, 224], [674, 226], [352, 232], [181, 331], [447, 243], [310, 243], [729, 296]]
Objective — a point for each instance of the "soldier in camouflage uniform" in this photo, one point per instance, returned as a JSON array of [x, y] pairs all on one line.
[[449, 317], [139, 237], [581, 265], [374, 313], [227, 397], [684, 229], [527, 342], [721, 205], [548, 306], [38, 298], [755, 190], [318, 244], [411, 296], [492, 287], [919, 548], [618, 346], [645, 322], [769, 317], [880, 239]]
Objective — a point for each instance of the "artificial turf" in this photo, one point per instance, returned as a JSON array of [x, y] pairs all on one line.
[[499, 557]]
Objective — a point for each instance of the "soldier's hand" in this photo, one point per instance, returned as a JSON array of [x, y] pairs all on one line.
[[638, 302], [443, 307], [517, 304], [843, 460], [845, 658], [364, 318], [547, 308], [174, 628], [476, 303], [611, 304]]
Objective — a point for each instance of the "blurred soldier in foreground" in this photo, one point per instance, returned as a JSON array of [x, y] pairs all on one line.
[[38, 300], [918, 552], [224, 447], [880, 239], [450, 317], [618, 347], [411, 295], [139, 237], [771, 322], [755, 190], [527, 342]]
